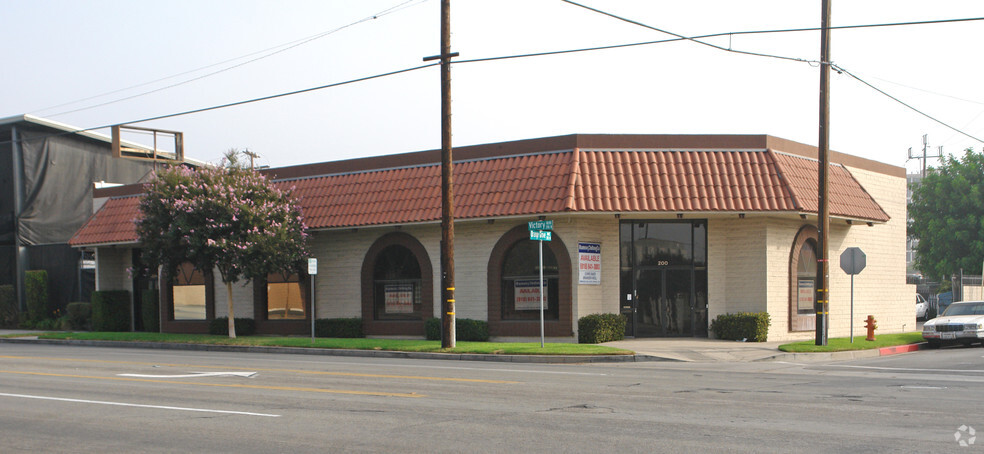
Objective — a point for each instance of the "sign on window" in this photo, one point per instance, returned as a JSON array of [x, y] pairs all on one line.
[[804, 297], [399, 298], [527, 294]]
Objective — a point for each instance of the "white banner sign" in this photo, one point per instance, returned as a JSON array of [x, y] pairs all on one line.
[[399, 298], [589, 263], [804, 297], [527, 294]]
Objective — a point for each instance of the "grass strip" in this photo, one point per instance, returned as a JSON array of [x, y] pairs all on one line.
[[489, 348], [844, 343]]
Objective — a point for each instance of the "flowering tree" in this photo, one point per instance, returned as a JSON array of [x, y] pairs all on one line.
[[227, 218]]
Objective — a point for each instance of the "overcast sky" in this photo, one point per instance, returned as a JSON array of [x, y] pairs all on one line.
[[57, 53]]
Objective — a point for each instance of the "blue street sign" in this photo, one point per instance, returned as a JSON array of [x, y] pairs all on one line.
[[540, 235], [540, 225]]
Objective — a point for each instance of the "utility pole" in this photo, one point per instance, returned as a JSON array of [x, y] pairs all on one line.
[[925, 156], [823, 210], [447, 190], [252, 155]]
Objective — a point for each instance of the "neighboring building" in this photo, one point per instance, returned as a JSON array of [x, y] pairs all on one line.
[[670, 230], [47, 174]]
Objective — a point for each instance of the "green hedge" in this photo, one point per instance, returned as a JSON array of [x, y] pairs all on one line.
[[338, 327], [220, 326], [111, 310], [150, 311], [752, 327], [465, 329], [79, 316], [8, 307], [598, 328], [36, 285]]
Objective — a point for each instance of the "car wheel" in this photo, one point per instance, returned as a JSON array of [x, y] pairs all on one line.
[[932, 343]]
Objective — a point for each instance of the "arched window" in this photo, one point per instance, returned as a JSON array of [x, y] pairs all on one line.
[[802, 280], [806, 277], [514, 291], [396, 285], [188, 294], [286, 298], [521, 283]]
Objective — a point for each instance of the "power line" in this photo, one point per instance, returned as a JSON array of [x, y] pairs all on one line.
[[839, 69], [239, 103], [271, 52], [677, 38]]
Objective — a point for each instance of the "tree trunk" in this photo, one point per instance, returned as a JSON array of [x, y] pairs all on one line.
[[232, 318]]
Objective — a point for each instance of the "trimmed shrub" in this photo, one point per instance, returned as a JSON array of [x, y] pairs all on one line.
[[8, 307], [78, 316], [36, 286], [465, 329], [220, 326], [111, 310], [753, 327], [338, 327], [150, 312], [432, 328], [598, 328]]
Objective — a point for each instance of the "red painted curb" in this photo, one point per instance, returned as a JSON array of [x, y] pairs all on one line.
[[898, 349]]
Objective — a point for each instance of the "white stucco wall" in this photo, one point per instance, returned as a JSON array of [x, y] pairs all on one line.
[[879, 290]]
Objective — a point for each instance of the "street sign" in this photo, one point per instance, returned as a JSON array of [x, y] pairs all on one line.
[[540, 225], [853, 260], [540, 235], [312, 266]]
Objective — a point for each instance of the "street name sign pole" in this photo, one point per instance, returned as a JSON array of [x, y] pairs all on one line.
[[540, 231], [313, 272]]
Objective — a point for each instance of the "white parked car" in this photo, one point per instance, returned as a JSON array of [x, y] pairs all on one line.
[[961, 322], [922, 307]]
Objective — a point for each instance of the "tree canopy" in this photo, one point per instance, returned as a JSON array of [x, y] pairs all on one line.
[[228, 218], [947, 217]]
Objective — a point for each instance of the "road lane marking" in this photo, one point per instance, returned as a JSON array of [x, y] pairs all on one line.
[[194, 375], [124, 404], [276, 388], [310, 372], [907, 369]]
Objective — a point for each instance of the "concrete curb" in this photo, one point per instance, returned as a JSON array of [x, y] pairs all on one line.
[[547, 359], [845, 355]]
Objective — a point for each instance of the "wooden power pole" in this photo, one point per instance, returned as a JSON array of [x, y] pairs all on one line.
[[823, 210], [447, 189]]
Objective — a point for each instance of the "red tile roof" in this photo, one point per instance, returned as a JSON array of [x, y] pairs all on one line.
[[114, 223], [577, 181]]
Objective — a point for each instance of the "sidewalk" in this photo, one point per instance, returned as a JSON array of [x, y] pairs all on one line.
[[648, 349], [714, 350]]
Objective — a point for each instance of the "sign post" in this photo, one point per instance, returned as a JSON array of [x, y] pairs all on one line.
[[540, 231], [853, 261], [313, 272]]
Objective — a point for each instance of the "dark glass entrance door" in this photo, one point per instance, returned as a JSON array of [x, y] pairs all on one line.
[[664, 303]]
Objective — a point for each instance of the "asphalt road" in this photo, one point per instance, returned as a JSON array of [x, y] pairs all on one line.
[[75, 399]]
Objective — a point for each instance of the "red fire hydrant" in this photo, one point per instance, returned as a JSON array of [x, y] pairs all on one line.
[[871, 326]]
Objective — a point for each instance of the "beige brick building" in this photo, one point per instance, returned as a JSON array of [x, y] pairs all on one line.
[[671, 231]]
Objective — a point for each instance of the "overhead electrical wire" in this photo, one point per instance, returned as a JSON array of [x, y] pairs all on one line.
[[269, 52], [588, 49], [841, 69], [837, 68]]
